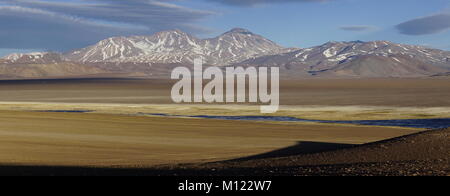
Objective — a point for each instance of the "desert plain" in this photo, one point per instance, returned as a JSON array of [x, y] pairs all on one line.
[[111, 123]]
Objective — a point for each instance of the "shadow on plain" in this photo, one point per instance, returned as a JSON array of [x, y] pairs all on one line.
[[304, 147]]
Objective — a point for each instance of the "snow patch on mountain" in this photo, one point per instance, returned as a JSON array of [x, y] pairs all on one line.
[[31, 56]]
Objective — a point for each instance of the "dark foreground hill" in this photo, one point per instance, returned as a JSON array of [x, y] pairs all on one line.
[[425, 153]]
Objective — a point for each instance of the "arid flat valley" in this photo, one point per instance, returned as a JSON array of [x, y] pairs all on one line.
[[119, 123]]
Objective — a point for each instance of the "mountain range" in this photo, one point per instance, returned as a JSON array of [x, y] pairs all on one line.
[[156, 55], [176, 46], [358, 59]]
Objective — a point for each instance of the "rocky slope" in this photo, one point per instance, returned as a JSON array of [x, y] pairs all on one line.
[[29, 71], [43, 65]]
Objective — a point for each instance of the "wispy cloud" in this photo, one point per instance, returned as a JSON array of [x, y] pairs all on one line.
[[249, 3], [58, 25], [357, 28], [427, 25]]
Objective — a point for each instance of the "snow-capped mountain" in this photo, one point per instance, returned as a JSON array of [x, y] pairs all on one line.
[[178, 47], [378, 58], [238, 45], [44, 65], [34, 58], [157, 55]]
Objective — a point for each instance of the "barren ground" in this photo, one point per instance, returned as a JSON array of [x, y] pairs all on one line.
[[114, 136]]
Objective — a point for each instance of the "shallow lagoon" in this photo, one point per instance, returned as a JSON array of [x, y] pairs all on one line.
[[410, 123]]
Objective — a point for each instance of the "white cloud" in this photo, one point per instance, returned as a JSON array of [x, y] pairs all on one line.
[[357, 28], [65, 25], [426, 25], [259, 2]]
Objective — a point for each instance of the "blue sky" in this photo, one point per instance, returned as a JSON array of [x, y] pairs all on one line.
[[62, 25]]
